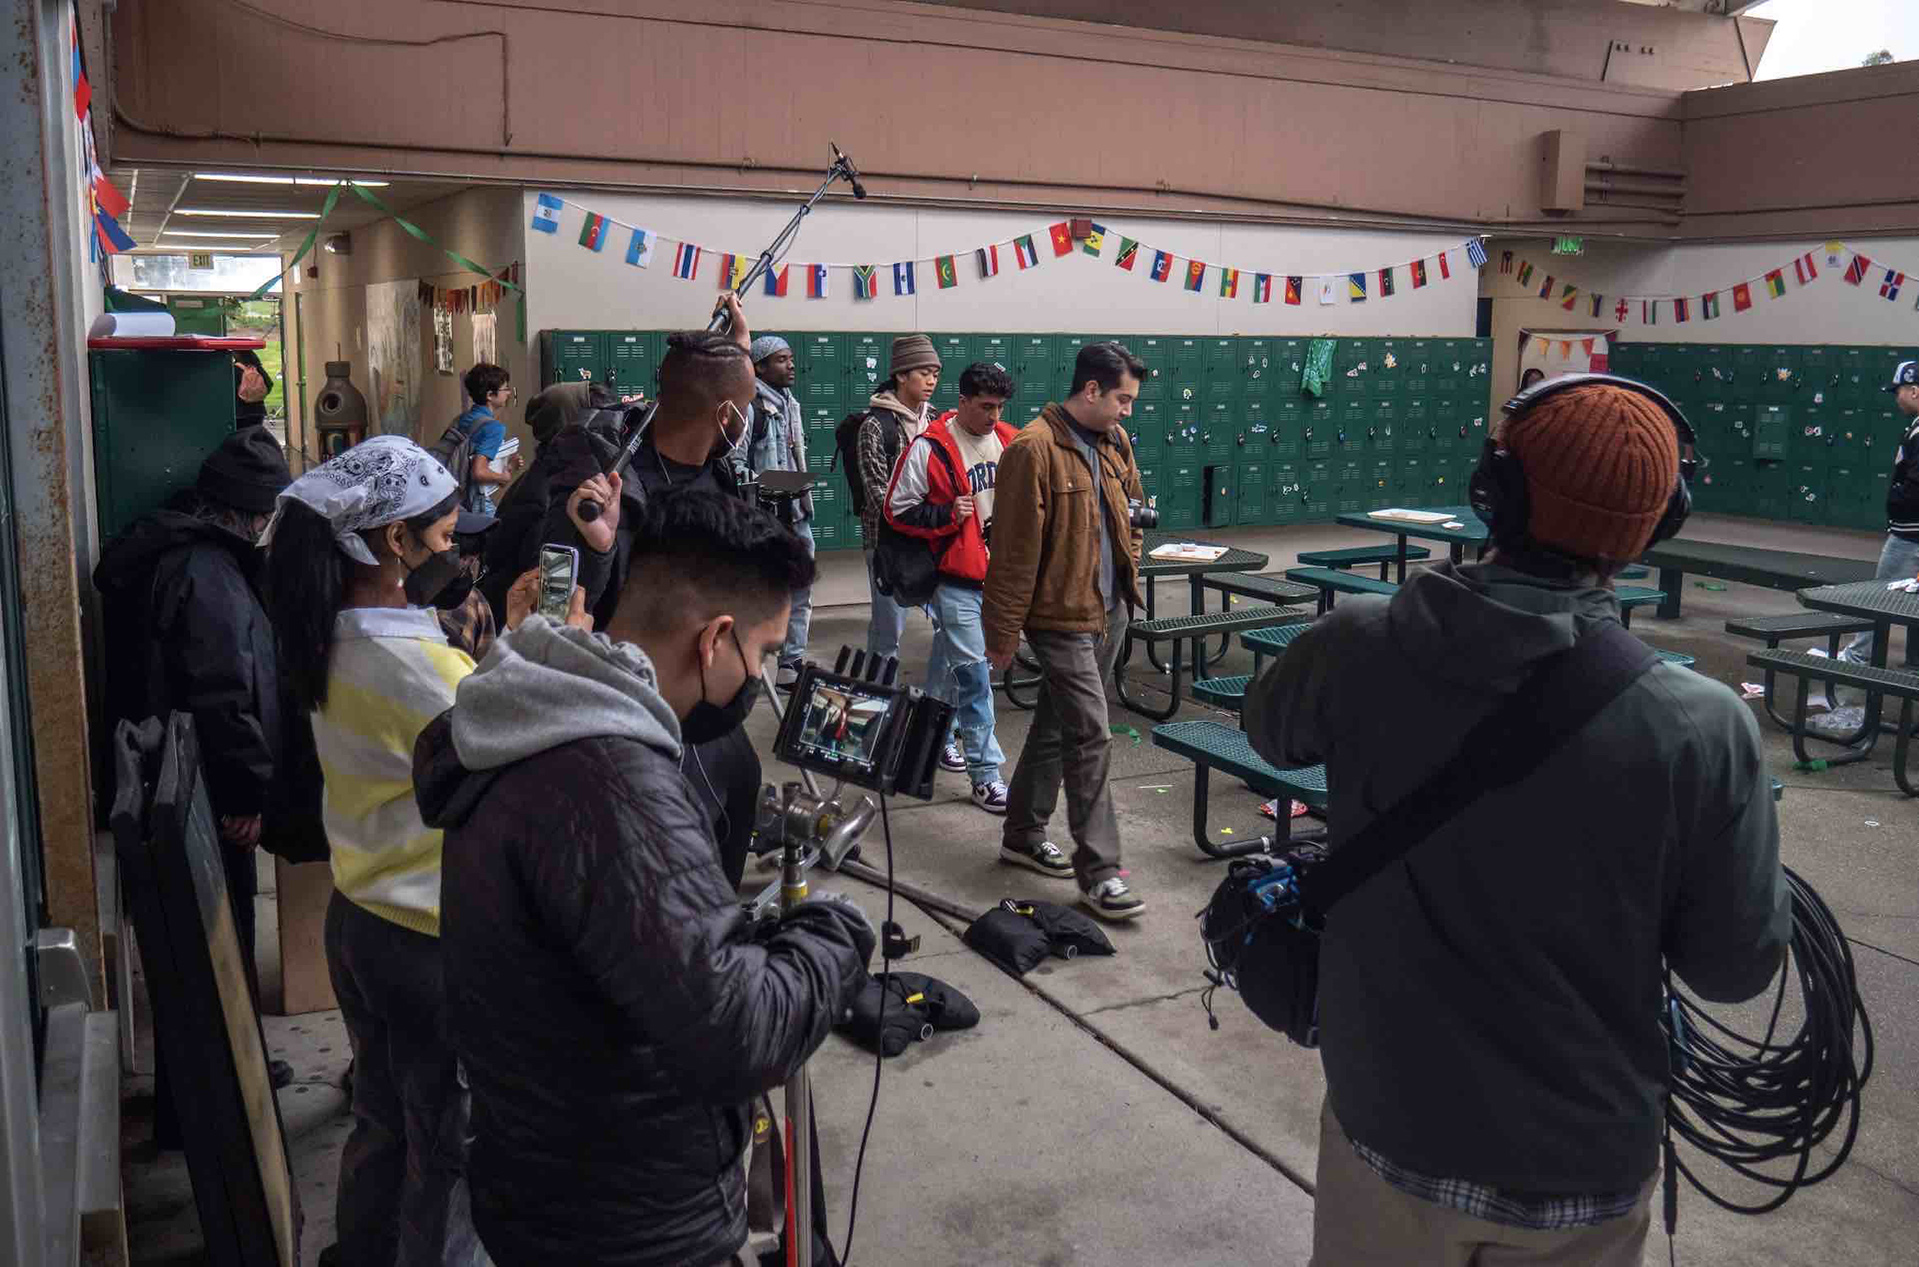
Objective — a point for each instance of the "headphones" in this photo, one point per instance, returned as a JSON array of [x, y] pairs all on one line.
[[1498, 489]]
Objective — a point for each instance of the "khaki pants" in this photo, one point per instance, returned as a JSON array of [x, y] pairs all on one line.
[[1360, 1220]]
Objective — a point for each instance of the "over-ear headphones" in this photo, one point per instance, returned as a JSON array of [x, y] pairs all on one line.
[[1498, 488]]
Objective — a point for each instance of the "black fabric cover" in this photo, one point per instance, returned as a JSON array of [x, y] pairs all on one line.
[[1064, 927], [1010, 940], [913, 1001]]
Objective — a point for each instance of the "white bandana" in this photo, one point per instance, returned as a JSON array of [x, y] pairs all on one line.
[[374, 483]]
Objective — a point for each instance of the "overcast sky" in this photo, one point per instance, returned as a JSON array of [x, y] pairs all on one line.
[[1820, 35]]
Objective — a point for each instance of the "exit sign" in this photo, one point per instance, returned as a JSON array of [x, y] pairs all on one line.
[[199, 259], [1569, 246]]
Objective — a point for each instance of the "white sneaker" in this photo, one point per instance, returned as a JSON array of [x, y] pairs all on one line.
[[990, 797], [1112, 898], [952, 758]]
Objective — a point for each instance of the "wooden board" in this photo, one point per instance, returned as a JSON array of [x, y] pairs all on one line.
[[305, 888]]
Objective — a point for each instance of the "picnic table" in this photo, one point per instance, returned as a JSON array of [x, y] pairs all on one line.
[[1471, 532], [1773, 569], [1195, 571]]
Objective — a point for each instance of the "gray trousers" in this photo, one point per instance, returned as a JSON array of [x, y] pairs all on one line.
[[403, 1198], [1070, 744]]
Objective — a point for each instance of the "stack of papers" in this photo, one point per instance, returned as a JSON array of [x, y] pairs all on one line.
[[1188, 552], [1410, 516], [505, 455]]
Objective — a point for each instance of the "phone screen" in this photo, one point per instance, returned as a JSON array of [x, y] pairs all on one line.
[[559, 572]]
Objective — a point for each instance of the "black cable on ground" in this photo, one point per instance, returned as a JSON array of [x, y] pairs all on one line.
[[1760, 1105], [886, 975]]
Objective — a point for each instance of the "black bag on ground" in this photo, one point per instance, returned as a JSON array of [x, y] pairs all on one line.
[[889, 1013], [1009, 939], [1068, 932]]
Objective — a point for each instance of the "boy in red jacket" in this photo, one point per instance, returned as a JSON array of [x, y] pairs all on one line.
[[942, 491]]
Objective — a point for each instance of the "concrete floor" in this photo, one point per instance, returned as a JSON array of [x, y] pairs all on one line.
[[1093, 1118]]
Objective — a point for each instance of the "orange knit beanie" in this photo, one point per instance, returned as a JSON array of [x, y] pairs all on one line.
[[1600, 466]]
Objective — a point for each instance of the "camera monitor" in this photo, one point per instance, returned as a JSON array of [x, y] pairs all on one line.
[[868, 733]]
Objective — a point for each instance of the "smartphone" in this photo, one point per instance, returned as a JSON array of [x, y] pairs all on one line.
[[559, 573]]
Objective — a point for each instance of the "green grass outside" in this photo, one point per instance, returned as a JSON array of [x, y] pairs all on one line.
[[260, 319]]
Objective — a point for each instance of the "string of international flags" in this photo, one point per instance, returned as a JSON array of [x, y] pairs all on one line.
[[1803, 269], [1019, 254]]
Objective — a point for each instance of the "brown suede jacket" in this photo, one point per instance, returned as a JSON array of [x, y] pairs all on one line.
[[1046, 505]]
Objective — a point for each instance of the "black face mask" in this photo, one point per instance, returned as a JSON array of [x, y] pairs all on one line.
[[708, 721], [429, 580]]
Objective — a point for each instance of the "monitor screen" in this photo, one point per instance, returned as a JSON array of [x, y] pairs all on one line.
[[843, 724]]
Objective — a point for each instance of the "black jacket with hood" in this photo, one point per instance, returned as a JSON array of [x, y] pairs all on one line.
[[185, 631], [610, 1003]]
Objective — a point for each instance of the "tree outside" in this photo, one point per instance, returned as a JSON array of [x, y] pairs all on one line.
[[1880, 58]]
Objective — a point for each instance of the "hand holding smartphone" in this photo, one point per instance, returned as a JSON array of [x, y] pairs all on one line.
[[559, 573]]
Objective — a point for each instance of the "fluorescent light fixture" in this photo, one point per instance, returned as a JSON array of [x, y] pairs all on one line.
[[216, 233], [239, 179], [246, 215]]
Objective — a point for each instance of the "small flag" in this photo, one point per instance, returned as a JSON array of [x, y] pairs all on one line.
[[1568, 296], [1709, 306], [1597, 305], [1649, 312], [988, 257], [1889, 288], [82, 90], [864, 282], [1094, 242], [1229, 283], [904, 283], [113, 238], [1565, 349], [108, 198], [1741, 297], [1505, 261], [1418, 269], [733, 271], [1162, 266], [1356, 288], [816, 281], [1025, 252], [1128, 252], [1062, 235], [946, 271], [1525, 273], [1546, 287], [1263, 288], [593, 232], [1803, 269], [639, 251], [1588, 345], [1385, 282], [1833, 251], [1619, 312], [1857, 270], [1776, 283], [1328, 290], [1446, 272], [1195, 275], [776, 282], [1680, 310], [546, 214], [686, 260], [1293, 286], [1475, 252]]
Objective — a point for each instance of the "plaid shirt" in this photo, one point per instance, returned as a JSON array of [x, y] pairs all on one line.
[[469, 627], [1534, 1212]]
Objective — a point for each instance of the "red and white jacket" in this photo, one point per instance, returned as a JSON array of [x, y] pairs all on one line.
[[929, 478]]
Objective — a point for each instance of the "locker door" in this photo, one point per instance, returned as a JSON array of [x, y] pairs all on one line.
[[1782, 376], [1219, 430], [1771, 430], [1413, 486], [1220, 367], [821, 363], [869, 359], [1288, 429], [633, 361], [1179, 505], [1382, 427], [1382, 475], [1152, 349], [956, 353], [574, 356], [1388, 368], [1319, 490], [1147, 427], [1321, 430], [1806, 493], [1416, 431], [1257, 365], [830, 511], [1284, 503], [1254, 493], [1037, 359]]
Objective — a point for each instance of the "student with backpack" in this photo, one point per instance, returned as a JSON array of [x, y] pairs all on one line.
[[895, 417], [469, 446]]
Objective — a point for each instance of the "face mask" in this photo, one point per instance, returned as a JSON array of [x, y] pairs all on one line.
[[426, 582], [729, 447], [707, 721]]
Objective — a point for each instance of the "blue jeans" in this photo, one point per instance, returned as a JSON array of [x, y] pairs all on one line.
[[801, 621], [1899, 560], [958, 673], [888, 621]]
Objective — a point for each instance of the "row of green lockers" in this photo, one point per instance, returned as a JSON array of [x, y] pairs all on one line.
[[1222, 432], [1797, 432]]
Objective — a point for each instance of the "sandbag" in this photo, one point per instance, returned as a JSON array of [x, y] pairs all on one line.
[[1009, 939], [1068, 932], [915, 1005]]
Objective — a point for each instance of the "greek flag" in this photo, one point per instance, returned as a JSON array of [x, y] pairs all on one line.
[[1475, 252]]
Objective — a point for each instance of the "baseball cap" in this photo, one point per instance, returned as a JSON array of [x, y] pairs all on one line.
[[1907, 375], [471, 524]]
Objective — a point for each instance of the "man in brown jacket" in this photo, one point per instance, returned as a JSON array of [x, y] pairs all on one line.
[[1061, 495]]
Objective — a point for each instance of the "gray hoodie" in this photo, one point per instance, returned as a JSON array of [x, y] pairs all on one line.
[[547, 684], [1489, 1004]]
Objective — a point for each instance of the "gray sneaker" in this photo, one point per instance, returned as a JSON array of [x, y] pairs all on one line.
[[1113, 899], [1045, 858]]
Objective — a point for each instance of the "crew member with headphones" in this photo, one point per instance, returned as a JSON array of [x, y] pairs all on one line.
[[1490, 1002]]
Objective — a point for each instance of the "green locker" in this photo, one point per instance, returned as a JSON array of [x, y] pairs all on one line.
[[1388, 366], [1737, 486], [830, 509], [1149, 482], [1350, 354], [633, 360], [1818, 370], [1450, 365], [821, 421], [1447, 428], [1847, 487], [1473, 425], [1885, 428], [1321, 436], [1152, 349], [1352, 496], [1219, 433], [956, 353], [1747, 378], [572, 356], [1319, 490], [1037, 369], [1287, 419], [1147, 427], [1285, 503], [1772, 484], [1221, 368], [204, 316], [1806, 493], [1878, 483], [1182, 431], [1289, 366], [1771, 428], [1355, 416], [869, 359], [820, 360], [1848, 436], [1420, 366], [1220, 499], [1858, 375], [1179, 505], [1809, 437], [1262, 372], [1782, 375], [1254, 494], [1382, 426], [1410, 482], [1256, 439], [157, 414], [997, 349], [1416, 431], [1446, 479], [1382, 475]]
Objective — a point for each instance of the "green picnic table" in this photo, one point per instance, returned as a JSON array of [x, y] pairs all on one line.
[[1471, 532]]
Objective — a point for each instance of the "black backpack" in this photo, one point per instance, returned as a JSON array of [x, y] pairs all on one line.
[[454, 449], [846, 444], [906, 567]]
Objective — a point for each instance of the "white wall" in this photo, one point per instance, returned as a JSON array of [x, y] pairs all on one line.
[[569, 286]]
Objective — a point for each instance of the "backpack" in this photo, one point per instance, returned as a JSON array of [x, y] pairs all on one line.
[[454, 449], [905, 567], [846, 443]]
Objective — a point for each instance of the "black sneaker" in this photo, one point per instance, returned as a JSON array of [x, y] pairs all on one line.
[[1045, 858], [1112, 898]]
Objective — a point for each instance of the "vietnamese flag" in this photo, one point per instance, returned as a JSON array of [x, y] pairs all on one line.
[[1062, 238]]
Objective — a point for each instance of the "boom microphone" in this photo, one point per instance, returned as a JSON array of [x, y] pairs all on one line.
[[852, 172]]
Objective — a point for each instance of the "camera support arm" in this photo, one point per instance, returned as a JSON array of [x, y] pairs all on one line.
[[841, 168]]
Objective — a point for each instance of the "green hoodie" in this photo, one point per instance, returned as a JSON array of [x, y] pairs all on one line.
[[1489, 1005]]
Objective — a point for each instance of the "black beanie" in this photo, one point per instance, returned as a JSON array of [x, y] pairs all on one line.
[[247, 472]]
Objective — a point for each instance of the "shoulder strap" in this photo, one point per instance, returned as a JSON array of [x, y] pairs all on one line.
[[1553, 704]]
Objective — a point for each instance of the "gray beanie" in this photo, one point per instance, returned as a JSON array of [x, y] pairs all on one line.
[[766, 345], [913, 352]]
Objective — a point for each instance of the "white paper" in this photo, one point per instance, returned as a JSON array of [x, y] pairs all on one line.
[[505, 455], [485, 326], [1187, 551], [132, 325]]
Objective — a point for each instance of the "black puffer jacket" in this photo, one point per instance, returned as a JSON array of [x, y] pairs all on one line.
[[607, 997], [185, 630]]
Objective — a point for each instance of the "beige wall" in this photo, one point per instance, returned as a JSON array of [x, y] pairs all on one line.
[[570, 286], [483, 224]]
